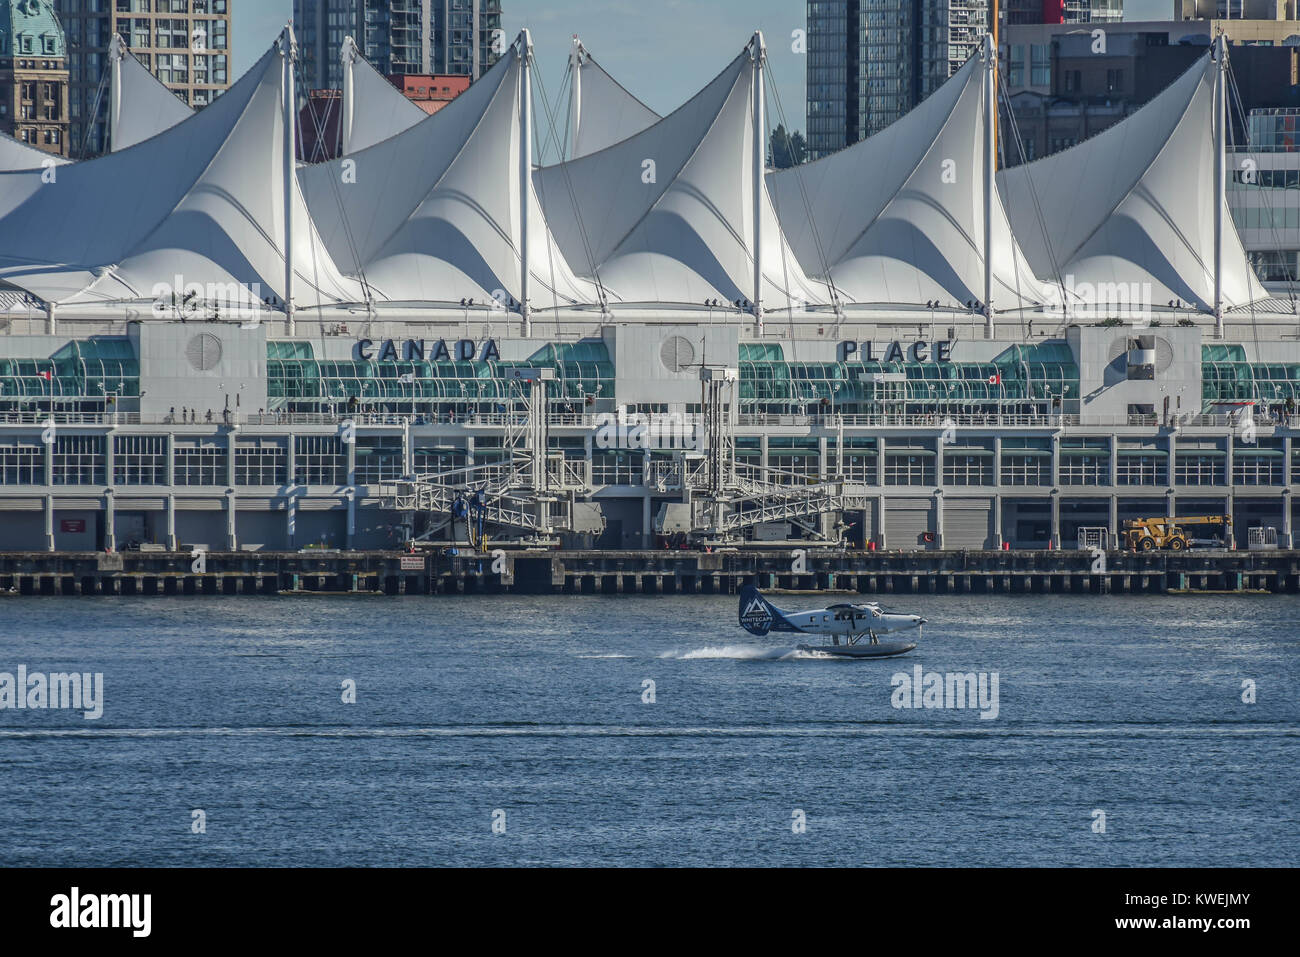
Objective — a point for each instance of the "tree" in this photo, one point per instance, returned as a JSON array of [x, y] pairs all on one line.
[[787, 149]]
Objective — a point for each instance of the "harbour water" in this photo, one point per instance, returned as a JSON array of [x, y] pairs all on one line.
[[534, 714]]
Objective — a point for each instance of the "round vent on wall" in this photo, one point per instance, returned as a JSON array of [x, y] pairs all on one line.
[[1164, 354], [677, 354], [204, 352], [1164, 351]]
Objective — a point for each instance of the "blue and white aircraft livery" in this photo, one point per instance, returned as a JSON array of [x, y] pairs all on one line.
[[850, 622]]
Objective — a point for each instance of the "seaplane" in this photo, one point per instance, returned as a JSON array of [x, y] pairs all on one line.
[[854, 629]]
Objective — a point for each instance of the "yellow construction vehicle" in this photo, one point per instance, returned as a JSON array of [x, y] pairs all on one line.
[[1149, 534]]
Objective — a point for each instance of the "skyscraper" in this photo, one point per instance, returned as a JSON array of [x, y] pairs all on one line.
[[398, 37], [835, 78], [186, 43], [1063, 11], [871, 61]]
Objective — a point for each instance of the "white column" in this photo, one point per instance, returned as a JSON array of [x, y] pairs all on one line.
[[938, 518], [288, 50], [1286, 518], [232, 521], [49, 522], [110, 526], [525, 173], [990, 165], [759, 54], [1056, 518]]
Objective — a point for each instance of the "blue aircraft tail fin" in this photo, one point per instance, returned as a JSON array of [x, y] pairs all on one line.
[[758, 616]]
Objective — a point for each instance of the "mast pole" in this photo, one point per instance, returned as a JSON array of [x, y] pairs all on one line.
[[1220, 175], [525, 173], [575, 95], [349, 91], [759, 53], [990, 185], [289, 50], [115, 54]]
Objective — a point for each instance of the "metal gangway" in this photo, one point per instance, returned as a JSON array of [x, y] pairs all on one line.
[[725, 498], [531, 491]]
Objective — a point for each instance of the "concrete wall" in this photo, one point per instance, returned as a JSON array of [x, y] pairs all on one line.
[[1104, 385], [202, 366]]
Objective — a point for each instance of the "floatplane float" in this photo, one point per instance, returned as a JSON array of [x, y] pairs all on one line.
[[854, 629]]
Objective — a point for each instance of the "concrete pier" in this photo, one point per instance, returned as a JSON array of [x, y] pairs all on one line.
[[725, 572]]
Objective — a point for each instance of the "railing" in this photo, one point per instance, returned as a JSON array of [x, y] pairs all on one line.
[[595, 421]]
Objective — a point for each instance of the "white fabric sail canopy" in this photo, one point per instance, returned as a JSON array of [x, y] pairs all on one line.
[[661, 211], [378, 109], [16, 155], [1135, 203], [607, 113], [433, 213], [147, 107], [899, 218], [202, 202], [667, 215]]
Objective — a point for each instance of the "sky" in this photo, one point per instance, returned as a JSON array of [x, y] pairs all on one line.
[[663, 51]]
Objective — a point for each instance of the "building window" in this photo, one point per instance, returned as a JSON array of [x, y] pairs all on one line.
[[140, 460], [22, 462], [319, 460], [964, 468], [1191, 468], [379, 460], [858, 466], [1258, 466], [79, 460], [915, 469], [617, 468], [1144, 468], [1016, 69], [1040, 65], [438, 461], [1085, 462], [1026, 468], [201, 463], [262, 462]]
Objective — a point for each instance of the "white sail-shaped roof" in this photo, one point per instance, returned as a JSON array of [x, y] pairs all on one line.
[[1135, 203], [607, 113], [899, 218], [667, 215], [433, 213], [202, 202], [16, 155], [378, 110], [146, 108]]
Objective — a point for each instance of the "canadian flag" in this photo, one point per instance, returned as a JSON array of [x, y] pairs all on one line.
[[995, 378], [48, 375]]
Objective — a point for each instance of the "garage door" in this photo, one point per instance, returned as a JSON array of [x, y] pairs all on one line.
[[968, 523], [907, 521]]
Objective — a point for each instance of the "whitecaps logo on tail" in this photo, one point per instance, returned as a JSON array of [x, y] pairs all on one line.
[[756, 619]]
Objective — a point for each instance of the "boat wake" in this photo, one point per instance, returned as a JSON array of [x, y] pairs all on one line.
[[746, 653]]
